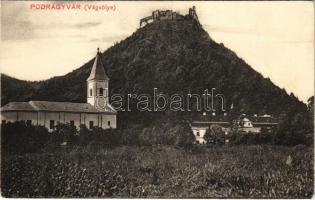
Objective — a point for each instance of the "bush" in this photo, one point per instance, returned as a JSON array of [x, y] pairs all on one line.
[[177, 134], [214, 135], [165, 133], [65, 133], [185, 137], [295, 127], [130, 137], [85, 135], [19, 137], [238, 138]]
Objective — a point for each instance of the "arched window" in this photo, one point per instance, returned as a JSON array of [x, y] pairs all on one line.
[[91, 93], [101, 91], [198, 134]]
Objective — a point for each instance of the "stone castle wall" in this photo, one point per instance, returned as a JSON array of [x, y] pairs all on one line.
[[160, 15]]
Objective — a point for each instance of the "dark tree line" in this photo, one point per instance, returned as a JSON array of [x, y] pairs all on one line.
[[19, 137], [296, 126]]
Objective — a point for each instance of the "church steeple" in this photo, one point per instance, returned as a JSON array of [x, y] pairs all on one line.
[[98, 72], [97, 83]]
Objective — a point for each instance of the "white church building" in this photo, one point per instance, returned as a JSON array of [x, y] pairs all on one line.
[[96, 112]]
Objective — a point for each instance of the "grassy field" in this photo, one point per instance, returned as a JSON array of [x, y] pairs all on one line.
[[162, 171]]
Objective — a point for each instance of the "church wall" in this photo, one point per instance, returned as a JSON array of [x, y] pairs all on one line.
[[9, 116], [73, 117], [28, 116], [108, 118], [91, 117], [43, 118], [19, 116]]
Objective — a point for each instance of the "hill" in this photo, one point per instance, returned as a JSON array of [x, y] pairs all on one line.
[[173, 56], [13, 89]]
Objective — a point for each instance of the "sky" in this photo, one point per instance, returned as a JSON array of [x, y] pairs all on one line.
[[275, 38]]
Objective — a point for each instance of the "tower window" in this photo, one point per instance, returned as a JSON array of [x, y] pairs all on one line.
[[52, 124], [198, 134], [108, 123], [91, 92], [101, 91]]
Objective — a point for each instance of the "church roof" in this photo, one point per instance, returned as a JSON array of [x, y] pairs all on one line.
[[98, 72], [55, 107], [17, 106]]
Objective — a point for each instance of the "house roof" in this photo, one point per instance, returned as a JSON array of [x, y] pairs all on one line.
[[259, 119], [211, 118], [263, 120], [55, 106], [98, 72], [208, 120], [209, 123], [16, 106]]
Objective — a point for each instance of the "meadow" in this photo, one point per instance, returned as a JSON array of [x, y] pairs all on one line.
[[256, 171]]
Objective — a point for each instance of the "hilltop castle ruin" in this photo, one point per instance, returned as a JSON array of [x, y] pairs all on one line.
[[159, 15]]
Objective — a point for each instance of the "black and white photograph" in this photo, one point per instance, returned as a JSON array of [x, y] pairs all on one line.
[[157, 99]]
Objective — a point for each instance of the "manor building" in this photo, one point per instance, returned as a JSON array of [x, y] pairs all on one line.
[[96, 112], [243, 124]]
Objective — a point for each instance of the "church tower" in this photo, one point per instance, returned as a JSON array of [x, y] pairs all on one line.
[[97, 84]]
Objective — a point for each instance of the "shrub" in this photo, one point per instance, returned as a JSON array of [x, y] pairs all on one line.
[[238, 138], [85, 135], [184, 135], [295, 127], [65, 133], [175, 134], [130, 136], [19, 137], [214, 135]]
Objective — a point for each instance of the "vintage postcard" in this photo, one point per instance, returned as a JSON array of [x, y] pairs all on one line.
[[157, 99]]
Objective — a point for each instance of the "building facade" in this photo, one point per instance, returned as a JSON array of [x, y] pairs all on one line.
[[96, 112], [200, 125], [243, 124]]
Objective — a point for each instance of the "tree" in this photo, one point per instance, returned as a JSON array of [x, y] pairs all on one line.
[[214, 134], [66, 133], [184, 136], [19, 137], [85, 135], [295, 126], [310, 108]]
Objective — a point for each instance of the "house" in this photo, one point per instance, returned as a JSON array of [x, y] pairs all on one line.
[[254, 124], [96, 112], [264, 121], [244, 123], [200, 125]]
